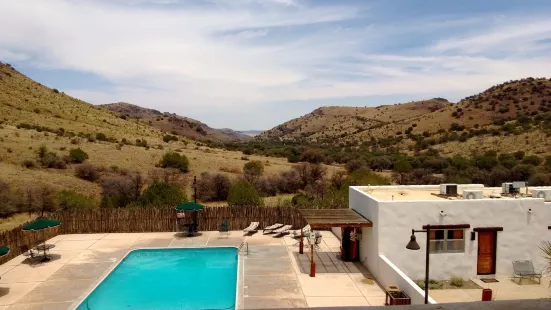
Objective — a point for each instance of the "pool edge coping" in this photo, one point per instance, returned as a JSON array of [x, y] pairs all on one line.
[[238, 289]]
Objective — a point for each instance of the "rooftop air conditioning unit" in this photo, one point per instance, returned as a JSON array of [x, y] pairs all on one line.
[[542, 193], [507, 188], [472, 194], [448, 189]]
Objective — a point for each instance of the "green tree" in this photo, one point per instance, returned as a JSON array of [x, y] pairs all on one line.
[[175, 160], [161, 194], [252, 170], [243, 193], [402, 165], [77, 156]]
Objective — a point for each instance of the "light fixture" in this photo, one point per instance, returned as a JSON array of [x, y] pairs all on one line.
[[412, 244], [530, 210], [442, 213]]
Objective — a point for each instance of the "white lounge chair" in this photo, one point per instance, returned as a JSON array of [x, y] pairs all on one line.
[[270, 229], [252, 228], [283, 230], [296, 233]]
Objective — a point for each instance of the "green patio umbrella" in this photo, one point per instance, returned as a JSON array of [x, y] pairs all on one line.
[[4, 250], [42, 224], [191, 206]]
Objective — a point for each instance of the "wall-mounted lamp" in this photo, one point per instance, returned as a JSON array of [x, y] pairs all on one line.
[[530, 210], [473, 235], [442, 213]]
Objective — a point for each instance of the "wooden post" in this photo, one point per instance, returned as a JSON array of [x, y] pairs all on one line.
[[301, 242], [312, 264]]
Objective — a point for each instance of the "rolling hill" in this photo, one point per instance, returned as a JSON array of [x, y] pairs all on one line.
[[33, 116], [176, 124], [488, 120]]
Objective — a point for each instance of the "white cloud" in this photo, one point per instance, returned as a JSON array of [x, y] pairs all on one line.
[[182, 55]]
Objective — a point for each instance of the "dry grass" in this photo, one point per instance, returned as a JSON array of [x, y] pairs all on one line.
[[24, 144], [268, 201], [24, 100]]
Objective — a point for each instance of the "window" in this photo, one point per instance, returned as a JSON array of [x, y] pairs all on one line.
[[447, 241]]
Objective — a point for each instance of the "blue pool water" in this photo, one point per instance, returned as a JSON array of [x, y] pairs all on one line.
[[198, 278]]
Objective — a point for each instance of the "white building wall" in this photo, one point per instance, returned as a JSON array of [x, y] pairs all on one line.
[[368, 207], [520, 239]]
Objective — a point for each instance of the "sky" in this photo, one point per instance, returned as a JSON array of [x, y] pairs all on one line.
[[253, 64]]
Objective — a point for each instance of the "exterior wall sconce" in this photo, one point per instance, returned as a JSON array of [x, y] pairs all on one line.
[[442, 213], [530, 210], [473, 235]]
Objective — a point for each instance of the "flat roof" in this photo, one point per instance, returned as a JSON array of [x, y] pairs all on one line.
[[413, 193], [327, 218]]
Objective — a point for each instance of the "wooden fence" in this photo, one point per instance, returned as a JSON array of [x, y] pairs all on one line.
[[16, 238], [164, 219], [146, 220]]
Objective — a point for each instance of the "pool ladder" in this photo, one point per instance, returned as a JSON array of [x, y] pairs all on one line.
[[246, 245]]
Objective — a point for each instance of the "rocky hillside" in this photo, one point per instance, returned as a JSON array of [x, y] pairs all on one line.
[[176, 124], [501, 115], [328, 124]]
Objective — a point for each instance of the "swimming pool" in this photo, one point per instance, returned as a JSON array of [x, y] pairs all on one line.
[[190, 278]]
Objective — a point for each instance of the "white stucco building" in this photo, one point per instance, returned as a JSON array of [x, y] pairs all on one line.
[[481, 237]]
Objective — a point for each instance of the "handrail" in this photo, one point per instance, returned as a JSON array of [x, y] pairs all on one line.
[[244, 243]]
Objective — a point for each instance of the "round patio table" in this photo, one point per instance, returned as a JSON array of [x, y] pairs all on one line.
[[44, 248]]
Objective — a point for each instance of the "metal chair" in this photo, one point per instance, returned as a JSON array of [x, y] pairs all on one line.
[[224, 228]]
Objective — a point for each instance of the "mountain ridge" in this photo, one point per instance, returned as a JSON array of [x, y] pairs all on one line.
[[176, 124]]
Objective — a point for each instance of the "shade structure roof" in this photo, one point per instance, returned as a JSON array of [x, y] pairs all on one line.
[[42, 224], [4, 250], [190, 206], [327, 218]]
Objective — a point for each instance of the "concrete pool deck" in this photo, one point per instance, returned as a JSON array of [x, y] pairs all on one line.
[[274, 274]]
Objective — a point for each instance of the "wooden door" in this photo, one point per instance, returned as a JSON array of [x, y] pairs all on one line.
[[487, 241]]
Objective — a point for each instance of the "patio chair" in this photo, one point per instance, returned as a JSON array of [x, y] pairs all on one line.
[[270, 229], [317, 241], [283, 230], [252, 228], [524, 269], [296, 233], [25, 250], [224, 228]]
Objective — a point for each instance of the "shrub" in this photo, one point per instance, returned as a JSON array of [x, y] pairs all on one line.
[[69, 200], [248, 151], [75, 141], [87, 172], [161, 194], [118, 192], [532, 160], [213, 188], [252, 170], [175, 160], [101, 136], [402, 165], [77, 156], [457, 281], [519, 155], [27, 163], [51, 160], [355, 164], [312, 156], [243, 193], [168, 138]]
